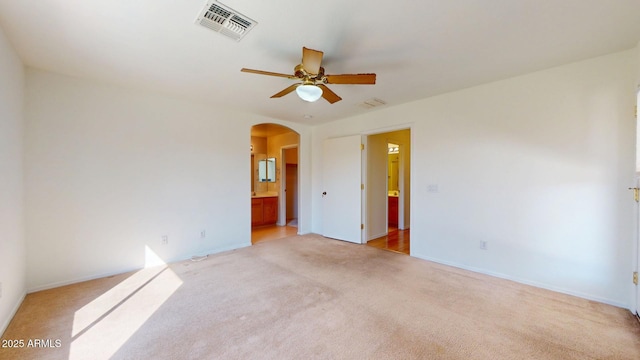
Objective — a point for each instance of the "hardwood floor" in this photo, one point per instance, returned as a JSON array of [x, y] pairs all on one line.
[[396, 240], [271, 232]]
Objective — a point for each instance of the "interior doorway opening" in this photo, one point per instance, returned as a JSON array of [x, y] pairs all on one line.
[[388, 195], [355, 188], [290, 186], [274, 182]]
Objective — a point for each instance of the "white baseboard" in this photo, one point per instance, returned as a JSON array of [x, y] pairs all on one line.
[[125, 270], [526, 282], [78, 280], [215, 251], [13, 312]]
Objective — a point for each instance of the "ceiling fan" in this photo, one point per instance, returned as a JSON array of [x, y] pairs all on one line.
[[313, 78]]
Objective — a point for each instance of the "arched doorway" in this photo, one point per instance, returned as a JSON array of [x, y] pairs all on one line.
[[274, 182]]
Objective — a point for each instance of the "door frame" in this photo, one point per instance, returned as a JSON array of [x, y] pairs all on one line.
[[365, 164], [636, 242], [365, 180]]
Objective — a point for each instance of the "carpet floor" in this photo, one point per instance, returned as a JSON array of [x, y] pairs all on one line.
[[307, 297]]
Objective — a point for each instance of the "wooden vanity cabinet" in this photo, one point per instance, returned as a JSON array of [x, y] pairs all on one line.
[[256, 212], [270, 210], [264, 211]]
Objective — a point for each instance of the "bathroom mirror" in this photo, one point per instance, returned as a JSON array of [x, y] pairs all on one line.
[[267, 170]]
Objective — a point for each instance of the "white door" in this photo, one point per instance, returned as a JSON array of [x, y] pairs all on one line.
[[637, 215], [341, 194], [637, 235]]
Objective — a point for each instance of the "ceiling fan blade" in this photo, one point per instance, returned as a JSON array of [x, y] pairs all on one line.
[[311, 60], [329, 95], [356, 79], [260, 72], [285, 91]]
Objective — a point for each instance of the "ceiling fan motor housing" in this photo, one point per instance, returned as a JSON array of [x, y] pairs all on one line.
[[299, 72]]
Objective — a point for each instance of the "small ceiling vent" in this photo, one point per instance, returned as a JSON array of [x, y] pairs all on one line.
[[226, 21], [373, 102]]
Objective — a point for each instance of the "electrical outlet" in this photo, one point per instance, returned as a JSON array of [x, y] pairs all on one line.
[[165, 239], [203, 234], [483, 245]]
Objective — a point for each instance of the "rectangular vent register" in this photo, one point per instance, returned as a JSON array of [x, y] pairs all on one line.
[[224, 20]]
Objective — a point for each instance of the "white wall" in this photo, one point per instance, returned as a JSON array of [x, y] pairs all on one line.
[[12, 239], [537, 165], [109, 171]]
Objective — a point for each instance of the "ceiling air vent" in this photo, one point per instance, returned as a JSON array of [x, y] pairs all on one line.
[[226, 21], [373, 102]]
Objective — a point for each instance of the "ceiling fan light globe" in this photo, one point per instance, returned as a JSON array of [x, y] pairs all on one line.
[[309, 93]]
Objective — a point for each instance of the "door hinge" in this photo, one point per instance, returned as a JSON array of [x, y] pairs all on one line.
[[361, 226], [361, 186], [635, 277], [636, 195], [361, 146]]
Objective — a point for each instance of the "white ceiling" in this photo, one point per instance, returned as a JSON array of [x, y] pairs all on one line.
[[417, 48]]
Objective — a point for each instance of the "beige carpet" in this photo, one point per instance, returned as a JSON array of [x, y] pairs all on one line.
[[306, 297]]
